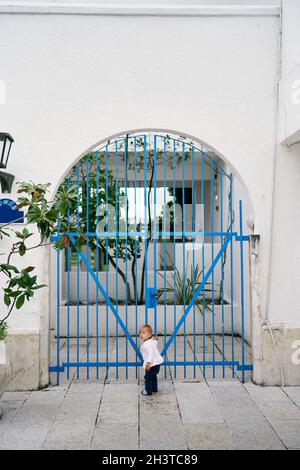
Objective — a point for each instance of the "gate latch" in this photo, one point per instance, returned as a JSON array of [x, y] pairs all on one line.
[[150, 297]]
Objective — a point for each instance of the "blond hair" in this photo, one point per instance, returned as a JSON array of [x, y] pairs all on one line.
[[146, 327]]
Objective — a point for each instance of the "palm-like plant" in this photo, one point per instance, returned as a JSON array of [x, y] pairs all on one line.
[[184, 287]]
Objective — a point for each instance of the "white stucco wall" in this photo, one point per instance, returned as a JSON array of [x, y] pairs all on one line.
[[284, 291], [74, 80]]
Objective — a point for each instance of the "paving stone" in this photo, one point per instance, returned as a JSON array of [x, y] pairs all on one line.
[[281, 410], [115, 436], [167, 434], [294, 394], [268, 394], [119, 404], [273, 403], [196, 404], [248, 426], [218, 383], [9, 409], [289, 432], [233, 400], [86, 388], [74, 424], [160, 423], [208, 437], [31, 424], [15, 396], [253, 433]]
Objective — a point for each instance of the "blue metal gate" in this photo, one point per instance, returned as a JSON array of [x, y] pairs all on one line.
[[153, 235]]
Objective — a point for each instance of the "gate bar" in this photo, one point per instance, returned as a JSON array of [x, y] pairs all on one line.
[[165, 247], [146, 226], [126, 248], [117, 252], [203, 270], [242, 288], [183, 251], [136, 259], [87, 273], [233, 364], [155, 230], [222, 269], [77, 270], [106, 246], [174, 252], [212, 215], [97, 263], [193, 261], [231, 273]]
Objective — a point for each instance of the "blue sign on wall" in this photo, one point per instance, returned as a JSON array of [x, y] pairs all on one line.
[[9, 212]]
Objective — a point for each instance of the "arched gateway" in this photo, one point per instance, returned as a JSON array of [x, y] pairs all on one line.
[[157, 236]]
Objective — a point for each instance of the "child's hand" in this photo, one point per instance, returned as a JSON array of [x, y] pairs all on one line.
[[148, 365]]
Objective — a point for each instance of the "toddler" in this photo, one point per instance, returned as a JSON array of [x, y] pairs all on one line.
[[152, 359]]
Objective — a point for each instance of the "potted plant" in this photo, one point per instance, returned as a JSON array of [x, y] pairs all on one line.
[[185, 286]]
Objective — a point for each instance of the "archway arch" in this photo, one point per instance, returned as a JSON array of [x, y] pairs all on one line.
[[162, 243], [198, 142]]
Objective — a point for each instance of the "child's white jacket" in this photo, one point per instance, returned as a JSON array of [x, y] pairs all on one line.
[[150, 353]]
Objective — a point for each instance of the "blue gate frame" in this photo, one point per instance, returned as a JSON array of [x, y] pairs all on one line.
[[143, 155]]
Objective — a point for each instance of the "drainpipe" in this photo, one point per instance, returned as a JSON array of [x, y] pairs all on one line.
[[266, 321]]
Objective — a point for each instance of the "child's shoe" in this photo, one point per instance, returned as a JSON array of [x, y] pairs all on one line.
[[146, 393]]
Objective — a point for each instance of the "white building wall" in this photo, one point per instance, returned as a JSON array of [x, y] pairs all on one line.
[[72, 81]]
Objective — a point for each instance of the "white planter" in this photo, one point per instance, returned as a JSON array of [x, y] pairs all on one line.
[[165, 320], [5, 369]]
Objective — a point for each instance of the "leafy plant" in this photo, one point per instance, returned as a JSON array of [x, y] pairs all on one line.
[[21, 285], [184, 288]]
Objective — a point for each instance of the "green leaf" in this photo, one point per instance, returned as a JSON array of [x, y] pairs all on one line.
[[32, 281], [22, 249], [13, 282], [15, 294], [19, 234], [39, 287], [20, 301], [3, 232], [9, 267], [7, 300]]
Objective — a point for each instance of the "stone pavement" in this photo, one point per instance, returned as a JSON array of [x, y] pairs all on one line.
[[209, 414]]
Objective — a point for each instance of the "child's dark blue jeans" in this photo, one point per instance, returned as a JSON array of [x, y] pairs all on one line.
[[151, 379]]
